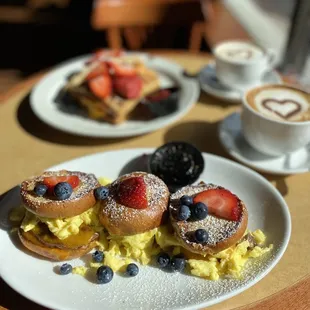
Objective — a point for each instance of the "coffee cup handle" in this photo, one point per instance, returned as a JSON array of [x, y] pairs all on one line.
[[271, 58]]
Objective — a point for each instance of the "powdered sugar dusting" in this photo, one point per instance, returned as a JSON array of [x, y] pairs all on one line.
[[88, 182], [218, 229], [155, 289]]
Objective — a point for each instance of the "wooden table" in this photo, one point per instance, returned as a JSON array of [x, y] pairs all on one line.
[[28, 146]]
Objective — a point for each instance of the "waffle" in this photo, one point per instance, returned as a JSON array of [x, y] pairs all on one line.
[[113, 109]]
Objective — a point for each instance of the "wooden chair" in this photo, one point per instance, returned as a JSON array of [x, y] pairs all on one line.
[[38, 4], [133, 18]]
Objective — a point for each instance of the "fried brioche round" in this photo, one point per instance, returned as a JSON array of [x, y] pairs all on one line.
[[124, 221], [222, 233], [80, 201], [41, 241]]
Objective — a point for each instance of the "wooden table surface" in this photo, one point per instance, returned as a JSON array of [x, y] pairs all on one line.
[[28, 146]]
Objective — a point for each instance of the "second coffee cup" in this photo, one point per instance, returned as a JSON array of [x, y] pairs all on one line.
[[240, 65]]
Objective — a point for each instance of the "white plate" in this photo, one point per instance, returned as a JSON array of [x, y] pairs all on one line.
[[42, 101], [211, 85], [152, 288], [233, 141]]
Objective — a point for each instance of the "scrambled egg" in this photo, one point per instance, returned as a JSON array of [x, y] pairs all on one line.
[[120, 251], [228, 262], [61, 228]]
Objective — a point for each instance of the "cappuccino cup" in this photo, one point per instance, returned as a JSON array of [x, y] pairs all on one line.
[[276, 118], [240, 65]]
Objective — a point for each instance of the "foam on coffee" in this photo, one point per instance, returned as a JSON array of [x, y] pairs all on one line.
[[239, 51], [280, 102]]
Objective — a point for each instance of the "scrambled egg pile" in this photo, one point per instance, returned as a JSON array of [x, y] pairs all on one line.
[[120, 251]]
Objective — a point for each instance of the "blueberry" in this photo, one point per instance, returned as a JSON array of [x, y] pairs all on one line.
[[104, 274], [98, 256], [183, 213], [65, 269], [178, 263], [63, 190], [101, 193], [163, 260], [132, 270], [186, 200], [40, 189], [199, 211], [201, 235]]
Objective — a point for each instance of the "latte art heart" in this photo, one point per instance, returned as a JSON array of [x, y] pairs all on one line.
[[244, 54], [284, 108], [280, 102]]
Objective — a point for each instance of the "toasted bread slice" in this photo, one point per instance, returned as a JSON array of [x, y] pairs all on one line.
[[41, 241], [81, 199], [113, 109], [222, 233], [124, 221]]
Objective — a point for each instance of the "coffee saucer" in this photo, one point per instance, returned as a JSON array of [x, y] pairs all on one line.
[[232, 139], [212, 86]]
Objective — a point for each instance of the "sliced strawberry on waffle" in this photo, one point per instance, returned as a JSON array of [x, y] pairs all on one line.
[[221, 203], [51, 181], [101, 86], [128, 87], [119, 69], [132, 193], [100, 69]]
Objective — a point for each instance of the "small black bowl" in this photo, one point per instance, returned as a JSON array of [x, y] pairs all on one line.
[[177, 163], [162, 102]]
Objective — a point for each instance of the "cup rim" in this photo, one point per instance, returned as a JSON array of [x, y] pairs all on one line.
[[239, 62], [245, 104]]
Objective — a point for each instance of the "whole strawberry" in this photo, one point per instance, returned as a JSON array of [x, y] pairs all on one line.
[[132, 193]]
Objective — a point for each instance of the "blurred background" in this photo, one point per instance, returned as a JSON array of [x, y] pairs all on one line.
[[38, 34]]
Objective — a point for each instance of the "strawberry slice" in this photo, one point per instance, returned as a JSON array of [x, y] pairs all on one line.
[[51, 181], [221, 203], [101, 86], [118, 69], [101, 69], [132, 193], [129, 87]]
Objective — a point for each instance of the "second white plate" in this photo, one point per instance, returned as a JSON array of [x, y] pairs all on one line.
[[42, 101]]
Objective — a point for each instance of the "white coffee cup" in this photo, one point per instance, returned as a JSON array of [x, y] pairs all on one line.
[[241, 65], [272, 136]]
